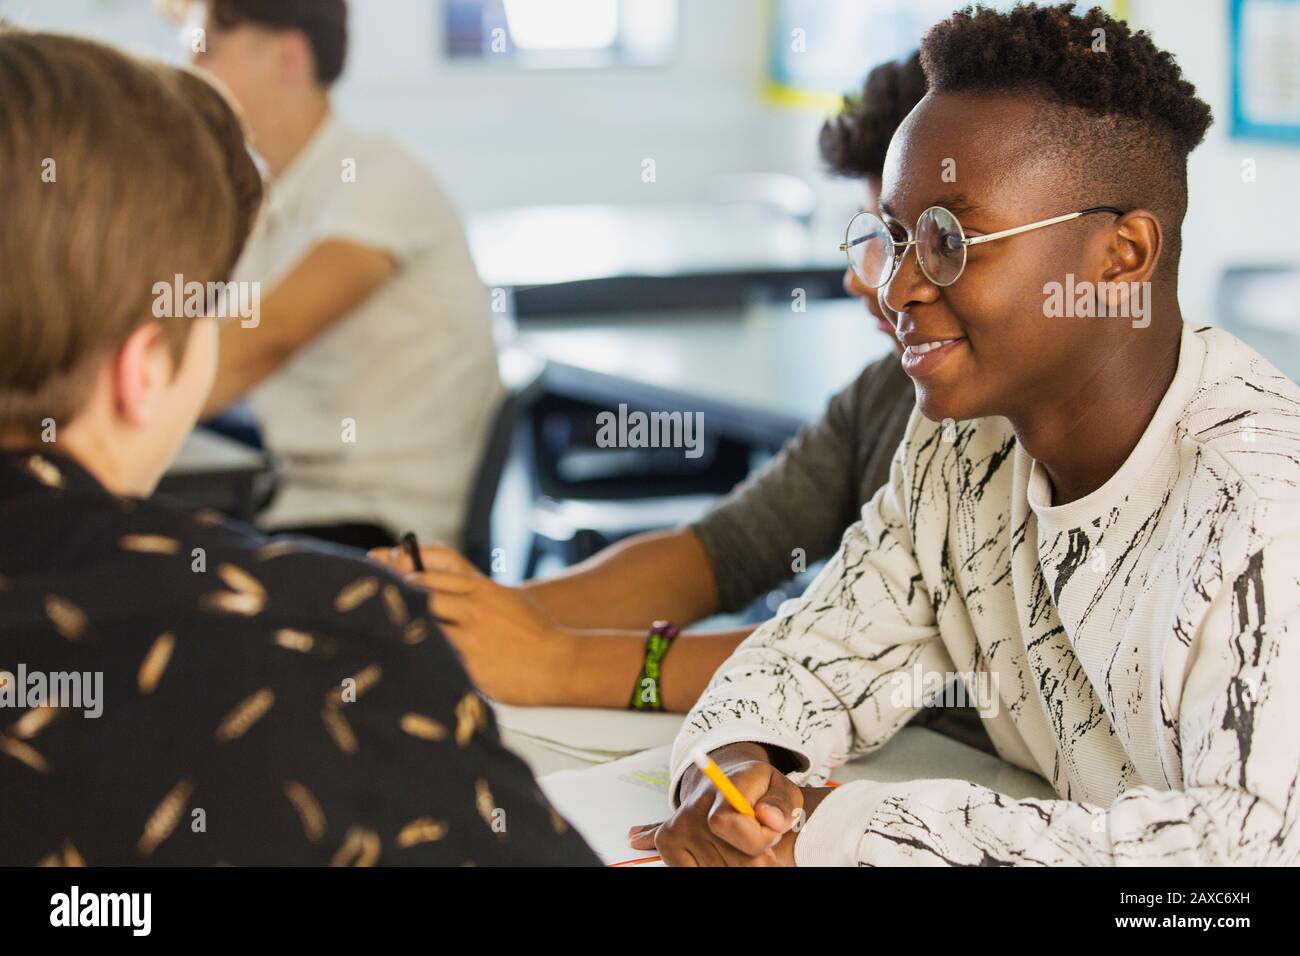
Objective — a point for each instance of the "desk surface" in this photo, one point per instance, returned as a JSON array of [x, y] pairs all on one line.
[[762, 371], [914, 753], [543, 245]]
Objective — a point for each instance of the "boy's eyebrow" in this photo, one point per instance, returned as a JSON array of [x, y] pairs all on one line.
[[959, 204]]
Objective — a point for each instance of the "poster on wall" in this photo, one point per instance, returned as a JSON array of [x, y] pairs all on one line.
[[820, 49], [1266, 69]]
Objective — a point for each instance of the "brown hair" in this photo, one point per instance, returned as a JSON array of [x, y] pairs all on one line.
[[323, 22], [118, 175]]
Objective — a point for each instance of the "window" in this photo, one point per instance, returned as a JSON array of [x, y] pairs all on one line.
[[562, 33]]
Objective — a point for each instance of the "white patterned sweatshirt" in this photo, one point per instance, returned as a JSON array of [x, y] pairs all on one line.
[[1139, 646]]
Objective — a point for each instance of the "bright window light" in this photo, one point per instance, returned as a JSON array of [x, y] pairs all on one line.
[[548, 34], [563, 24]]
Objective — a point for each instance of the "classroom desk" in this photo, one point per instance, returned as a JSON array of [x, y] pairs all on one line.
[[758, 373], [914, 753], [584, 258], [212, 471]]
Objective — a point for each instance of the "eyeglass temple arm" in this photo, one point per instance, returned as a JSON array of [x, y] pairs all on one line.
[[1041, 223], [846, 246]]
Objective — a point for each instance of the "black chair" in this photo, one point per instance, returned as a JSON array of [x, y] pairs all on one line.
[[585, 498], [522, 390]]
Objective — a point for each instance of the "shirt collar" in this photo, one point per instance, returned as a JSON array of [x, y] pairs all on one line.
[[24, 471], [1160, 432], [286, 187]]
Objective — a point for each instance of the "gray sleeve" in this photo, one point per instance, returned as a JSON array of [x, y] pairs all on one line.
[[803, 498]]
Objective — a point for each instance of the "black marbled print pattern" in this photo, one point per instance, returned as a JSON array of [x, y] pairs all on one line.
[[1143, 640], [275, 703]]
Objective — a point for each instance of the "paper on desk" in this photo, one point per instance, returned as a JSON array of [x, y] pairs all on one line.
[[604, 801], [587, 733]]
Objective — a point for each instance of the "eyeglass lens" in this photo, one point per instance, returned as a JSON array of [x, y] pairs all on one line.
[[940, 245]]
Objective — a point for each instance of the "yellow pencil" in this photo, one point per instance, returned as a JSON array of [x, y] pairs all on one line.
[[728, 789]]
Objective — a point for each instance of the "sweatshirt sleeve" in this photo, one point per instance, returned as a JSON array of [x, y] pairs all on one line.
[[823, 679], [1240, 754]]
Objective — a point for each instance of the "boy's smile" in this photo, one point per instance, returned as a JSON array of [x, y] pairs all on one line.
[[923, 356]]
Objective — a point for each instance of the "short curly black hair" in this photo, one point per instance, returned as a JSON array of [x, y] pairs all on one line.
[[854, 142], [1116, 108], [1091, 61]]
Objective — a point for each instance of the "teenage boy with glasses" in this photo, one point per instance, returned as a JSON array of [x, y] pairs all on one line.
[[1101, 519]]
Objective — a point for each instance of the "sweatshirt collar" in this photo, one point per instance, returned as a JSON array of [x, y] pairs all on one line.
[[1157, 436]]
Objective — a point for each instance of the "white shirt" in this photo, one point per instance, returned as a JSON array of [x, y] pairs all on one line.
[[383, 417], [1142, 642]]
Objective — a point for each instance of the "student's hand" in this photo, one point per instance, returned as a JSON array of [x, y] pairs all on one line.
[[512, 650], [706, 831]]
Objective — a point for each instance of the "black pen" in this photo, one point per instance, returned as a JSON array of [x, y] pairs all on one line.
[[412, 546]]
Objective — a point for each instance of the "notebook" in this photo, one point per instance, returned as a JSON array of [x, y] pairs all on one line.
[[604, 801], [589, 734]]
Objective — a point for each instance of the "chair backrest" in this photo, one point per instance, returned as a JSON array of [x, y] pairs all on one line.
[[476, 531], [560, 443]]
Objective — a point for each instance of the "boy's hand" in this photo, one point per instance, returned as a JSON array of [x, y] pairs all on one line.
[[511, 649], [706, 831]]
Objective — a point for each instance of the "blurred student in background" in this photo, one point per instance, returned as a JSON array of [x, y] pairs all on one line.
[[371, 369], [580, 638], [303, 699]]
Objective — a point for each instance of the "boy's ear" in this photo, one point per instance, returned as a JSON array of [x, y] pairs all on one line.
[[141, 372], [1135, 246], [295, 54]]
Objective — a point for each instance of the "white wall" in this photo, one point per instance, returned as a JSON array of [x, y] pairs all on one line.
[[503, 138], [129, 23], [1229, 222], [1228, 219], [500, 137]]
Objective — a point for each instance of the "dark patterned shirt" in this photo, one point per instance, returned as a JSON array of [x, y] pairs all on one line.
[[176, 689]]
